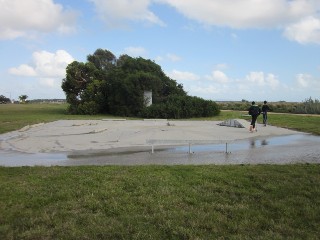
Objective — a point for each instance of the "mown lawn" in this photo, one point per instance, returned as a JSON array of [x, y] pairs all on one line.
[[16, 116], [160, 202], [303, 123]]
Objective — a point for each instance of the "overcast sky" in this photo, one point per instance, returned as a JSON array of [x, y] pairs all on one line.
[[218, 49]]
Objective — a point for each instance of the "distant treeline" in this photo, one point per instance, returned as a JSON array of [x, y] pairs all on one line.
[[309, 106], [47, 101]]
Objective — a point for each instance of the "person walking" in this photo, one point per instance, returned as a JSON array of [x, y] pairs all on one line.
[[265, 109], [254, 111]]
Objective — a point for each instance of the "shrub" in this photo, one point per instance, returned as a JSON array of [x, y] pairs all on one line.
[[176, 107], [309, 106], [88, 108]]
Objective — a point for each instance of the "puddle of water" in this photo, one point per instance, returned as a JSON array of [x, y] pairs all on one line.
[[241, 144], [251, 151], [14, 159]]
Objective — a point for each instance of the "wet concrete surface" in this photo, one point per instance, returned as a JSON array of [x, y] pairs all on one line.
[[297, 148]]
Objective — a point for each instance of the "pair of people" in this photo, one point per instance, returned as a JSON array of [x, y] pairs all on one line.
[[255, 111]]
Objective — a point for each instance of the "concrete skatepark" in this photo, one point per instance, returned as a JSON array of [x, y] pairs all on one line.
[[154, 141]]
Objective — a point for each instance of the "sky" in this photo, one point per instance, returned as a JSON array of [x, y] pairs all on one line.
[[221, 50]]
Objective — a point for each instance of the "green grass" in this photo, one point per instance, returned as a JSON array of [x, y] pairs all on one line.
[[16, 116], [160, 202], [303, 123]]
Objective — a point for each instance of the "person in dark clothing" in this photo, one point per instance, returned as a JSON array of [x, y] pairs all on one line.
[[265, 110], [254, 111]]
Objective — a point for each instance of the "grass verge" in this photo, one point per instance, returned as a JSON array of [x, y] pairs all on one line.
[[160, 202]]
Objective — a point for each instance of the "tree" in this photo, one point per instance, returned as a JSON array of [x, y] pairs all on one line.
[[23, 98], [102, 59], [4, 99], [105, 84], [79, 84]]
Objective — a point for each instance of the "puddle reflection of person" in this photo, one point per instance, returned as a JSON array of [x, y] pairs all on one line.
[[254, 111], [253, 143]]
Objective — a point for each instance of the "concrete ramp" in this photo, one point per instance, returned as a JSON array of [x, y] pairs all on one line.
[[239, 123]]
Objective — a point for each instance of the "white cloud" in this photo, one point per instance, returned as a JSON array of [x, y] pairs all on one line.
[[117, 13], [272, 81], [303, 80], [135, 51], [28, 17], [183, 76], [244, 13], [261, 79], [297, 17], [52, 64], [46, 66], [218, 86], [256, 78], [23, 70], [305, 31], [306, 81], [218, 76]]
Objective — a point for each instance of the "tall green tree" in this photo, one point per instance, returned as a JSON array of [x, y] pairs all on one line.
[[78, 84], [102, 59], [105, 84], [23, 98]]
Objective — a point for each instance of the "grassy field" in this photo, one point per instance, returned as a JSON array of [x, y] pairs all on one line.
[[16, 116], [303, 123], [157, 202], [160, 202]]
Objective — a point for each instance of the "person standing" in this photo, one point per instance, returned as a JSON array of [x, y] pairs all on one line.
[[254, 111], [265, 110]]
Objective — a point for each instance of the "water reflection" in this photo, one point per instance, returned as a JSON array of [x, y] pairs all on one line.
[[301, 147], [252, 143], [264, 142], [258, 142], [246, 144]]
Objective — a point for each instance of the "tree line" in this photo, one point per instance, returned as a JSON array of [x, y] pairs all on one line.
[[308, 106], [109, 85], [3, 99]]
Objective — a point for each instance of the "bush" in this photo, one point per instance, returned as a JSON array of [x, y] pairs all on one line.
[[88, 108], [309, 106], [177, 107]]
